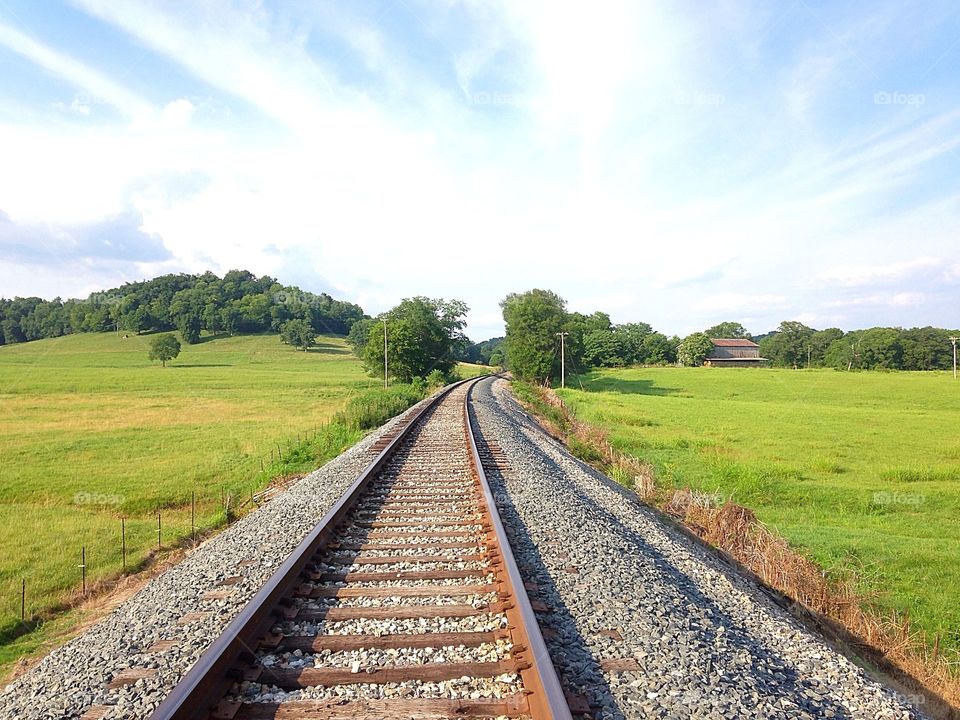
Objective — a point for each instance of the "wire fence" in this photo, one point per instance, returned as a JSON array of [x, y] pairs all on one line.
[[98, 550]]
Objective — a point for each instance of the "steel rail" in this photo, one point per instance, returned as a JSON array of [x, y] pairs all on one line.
[[545, 695], [195, 696]]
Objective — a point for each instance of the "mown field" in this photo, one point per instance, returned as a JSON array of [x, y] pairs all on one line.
[[92, 432], [861, 471]]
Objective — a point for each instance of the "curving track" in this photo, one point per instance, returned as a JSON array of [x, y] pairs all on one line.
[[404, 602]]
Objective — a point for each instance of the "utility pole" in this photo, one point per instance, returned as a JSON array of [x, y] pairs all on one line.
[[563, 361], [384, 352], [954, 341]]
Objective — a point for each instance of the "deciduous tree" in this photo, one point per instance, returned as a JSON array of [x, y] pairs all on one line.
[[422, 335], [729, 329], [298, 333], [531, 345], [694, 349], [163, 348], [789, 345]]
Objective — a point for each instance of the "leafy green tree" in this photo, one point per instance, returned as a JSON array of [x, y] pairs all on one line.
[[422, 335], [605, 348], [137, 319], [788, 347], [657, 349], [819, 342], [189, 326], [359, 335], [12, 332], [299, 333], [727, 329], [188, 303], [632, 337], [881, 349], [482, 351], [163, 348], [254, 312], [212, 318], [598, 321], [230, 319], [841, 353], [927, 348], [531, 345], [694, 349]]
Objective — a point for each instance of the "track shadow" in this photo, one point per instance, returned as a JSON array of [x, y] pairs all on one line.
[[572, 658], [593, 382], [328, 349], [199, 365], [778, 680]]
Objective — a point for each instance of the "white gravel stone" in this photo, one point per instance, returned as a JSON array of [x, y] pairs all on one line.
[[708, 642], [74, 676]]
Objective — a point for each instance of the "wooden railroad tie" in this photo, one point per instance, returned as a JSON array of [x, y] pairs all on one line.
[[393, 709], [428, 672], [130, 676]]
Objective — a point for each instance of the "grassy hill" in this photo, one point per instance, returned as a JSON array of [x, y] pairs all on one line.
[[859, 470], [92, 432]]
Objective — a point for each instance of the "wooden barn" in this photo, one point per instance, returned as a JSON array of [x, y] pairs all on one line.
[[734, 352]]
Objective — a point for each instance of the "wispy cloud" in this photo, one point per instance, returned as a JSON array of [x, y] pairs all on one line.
[[860, 275], [741, 302], [116, 239], [99, 86], [679, 166], [242, 51]]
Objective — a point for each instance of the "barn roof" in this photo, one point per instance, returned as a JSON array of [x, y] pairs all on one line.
[[734, 342]]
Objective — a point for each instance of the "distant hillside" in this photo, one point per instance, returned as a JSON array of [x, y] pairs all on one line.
[[237, 302], [487, 352]]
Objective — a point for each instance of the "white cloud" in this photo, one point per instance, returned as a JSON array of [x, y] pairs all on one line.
[[860, 275], [177, 114], [807, 82], [100, 87], [908, 299], [598, 185], [740, 302], [879, 300]]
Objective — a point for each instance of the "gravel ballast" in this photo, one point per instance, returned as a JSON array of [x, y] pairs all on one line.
[[692, 638], [171, 607], [639, 619]]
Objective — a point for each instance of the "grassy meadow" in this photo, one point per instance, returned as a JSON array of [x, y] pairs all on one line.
[[861, 471], [92, 432]]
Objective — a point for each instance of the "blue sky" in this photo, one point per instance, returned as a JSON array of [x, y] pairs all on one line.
[[677, 163]]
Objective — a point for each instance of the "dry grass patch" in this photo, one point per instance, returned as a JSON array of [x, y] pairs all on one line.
[[735, 530]]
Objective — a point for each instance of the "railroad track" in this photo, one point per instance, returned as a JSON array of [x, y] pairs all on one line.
[[403, 602]]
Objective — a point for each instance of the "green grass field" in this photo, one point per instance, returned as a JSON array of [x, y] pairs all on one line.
[[92, 432], [861, 471]]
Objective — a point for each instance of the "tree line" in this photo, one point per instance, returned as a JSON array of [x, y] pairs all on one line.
[[423, 339], [536, 318], [237, 302], [793, 344]]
